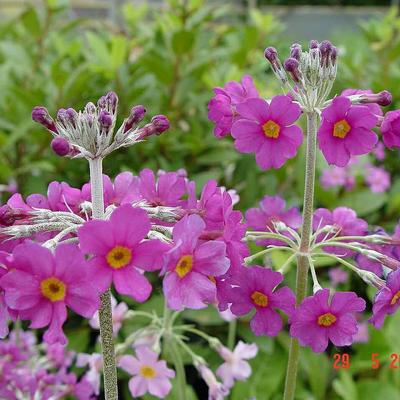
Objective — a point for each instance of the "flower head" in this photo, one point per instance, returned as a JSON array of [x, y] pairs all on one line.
[[254, 289], [222, 107], [41, 285], [192, 265], [149, 375], [119, 251], [319, 319], [235, 368], [387, 300], [346, 131], [391, 129], [268, 130], [377, 179]]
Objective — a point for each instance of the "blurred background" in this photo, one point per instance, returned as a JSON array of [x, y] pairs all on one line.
[[168, 56]]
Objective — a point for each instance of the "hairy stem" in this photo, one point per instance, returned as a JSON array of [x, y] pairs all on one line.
[[302, 259], [105, 311]]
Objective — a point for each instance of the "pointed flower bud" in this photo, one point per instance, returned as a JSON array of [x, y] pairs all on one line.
[[295, 51], [42, 116], [292, 67], [383, 98], [161, 123], [136, 115]]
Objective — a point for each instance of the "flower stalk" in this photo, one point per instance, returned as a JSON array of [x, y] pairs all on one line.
[[302, 259], [105, 311]]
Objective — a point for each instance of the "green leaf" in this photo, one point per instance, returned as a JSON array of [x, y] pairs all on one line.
[[182, 42], [364, 202]]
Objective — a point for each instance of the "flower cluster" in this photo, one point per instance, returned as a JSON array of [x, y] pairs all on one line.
[[266, 127], [31, 370]]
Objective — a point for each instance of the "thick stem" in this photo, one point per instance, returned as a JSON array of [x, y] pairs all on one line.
[[105, 311], [302, 259]]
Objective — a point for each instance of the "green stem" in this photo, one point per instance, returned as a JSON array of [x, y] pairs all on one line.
[[171, 344], [232, 334], [105, 311], [302, 259]]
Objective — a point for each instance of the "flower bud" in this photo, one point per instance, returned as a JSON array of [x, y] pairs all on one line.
[[105, 121], [295, 51], [60, 146], [42, 116], [136, 115], [383, 98], [271, 54], [292, 67], [160, 123], [313, 44]]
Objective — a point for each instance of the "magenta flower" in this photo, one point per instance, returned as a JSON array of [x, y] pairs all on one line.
[[379, 151], [346, 131], [235, 368], [387, 300], [148, 374], [377, 179], [268, 130], [192, 265], [222, 107], [344, 222], [337, 276], [390, 129], [43, 284], [119, 251], [272, 209], [167, 191], [319, 319], [254, 289]]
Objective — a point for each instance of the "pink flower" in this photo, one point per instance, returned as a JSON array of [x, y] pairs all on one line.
[[192, 265], [222, 107], [148, 374], [379, 151], [43, 284], [268, 130], [118, 251], [390, 129], [235, 368], [319, 319], [346, 131], [254, 289], [93, 375], [386, 300], [272, 209], [337, 276], [377, 179], [167, 191], [118, 315], [344, 222]]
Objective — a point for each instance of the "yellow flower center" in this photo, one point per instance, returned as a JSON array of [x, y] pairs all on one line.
[[184, 266], [395, 298], [53, 289], [341, 129], [119, 257], [271, 129], [148, 372], [326, 319], [259, 299]]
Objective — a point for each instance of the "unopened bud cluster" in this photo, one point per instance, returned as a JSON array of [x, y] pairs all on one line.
[[90, 133]]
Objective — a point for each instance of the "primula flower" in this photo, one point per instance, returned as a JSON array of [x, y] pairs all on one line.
[[119, 251], [344, 222], [167, 191], [345, 131], [387, 300], [192, 265], [235, 368], [254, 288], [148, 374], [216, 390], [390, 129], [268, 130], [319, 319], [42, 284], [222, 107], [272, 209], [337, 276], [377, 179]]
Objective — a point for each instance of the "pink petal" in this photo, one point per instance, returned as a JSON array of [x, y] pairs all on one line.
[[129, 364], [266, 322], [254, 109], [83, 299], [336, 111], [209, 258], [149, 255], [160, 387], [70, 263], [130, 282], [54, 333], [248, 134], [344, 302], [188, 230], [283, 110], [95, 237], [41, 316], [138, 386], [360, 141]]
